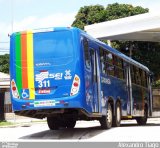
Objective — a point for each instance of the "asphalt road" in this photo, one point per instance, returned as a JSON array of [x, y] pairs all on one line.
[[84, 131]]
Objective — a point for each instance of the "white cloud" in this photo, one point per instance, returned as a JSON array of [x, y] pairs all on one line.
[[54, 20], [33, 22]]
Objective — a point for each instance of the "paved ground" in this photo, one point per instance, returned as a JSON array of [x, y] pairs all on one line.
[[11, 117], [84, 131]]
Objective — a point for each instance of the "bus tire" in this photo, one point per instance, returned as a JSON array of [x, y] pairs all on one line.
[[143, 120], [52, 123], [106, 121], [117, 117], [70, 123]]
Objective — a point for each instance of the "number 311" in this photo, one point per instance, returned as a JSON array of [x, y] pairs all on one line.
[[44, 83]]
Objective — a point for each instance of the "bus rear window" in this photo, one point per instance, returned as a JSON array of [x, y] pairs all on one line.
[[51, 45]]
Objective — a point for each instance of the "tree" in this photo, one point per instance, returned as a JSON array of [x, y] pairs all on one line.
[[116, 11], [148, 53], [94, 14], [89, 15], [4, 63]]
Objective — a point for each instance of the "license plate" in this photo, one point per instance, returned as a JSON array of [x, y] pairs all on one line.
[[45, 103]]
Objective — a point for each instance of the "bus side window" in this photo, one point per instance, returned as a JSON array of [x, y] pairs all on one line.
[[110, 69], [138, 79], [102, 60], [121, 69], [86, 54], [118, 64], [133, 77], [144, 79], [115, 66], [109, 64], [109, 58]]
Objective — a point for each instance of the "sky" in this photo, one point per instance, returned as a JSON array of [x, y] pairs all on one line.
[[19, 15]]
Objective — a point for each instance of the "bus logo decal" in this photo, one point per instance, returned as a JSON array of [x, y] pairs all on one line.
[[43, 64], [56, 76], [68, 75], [43, 75], [106, 80]]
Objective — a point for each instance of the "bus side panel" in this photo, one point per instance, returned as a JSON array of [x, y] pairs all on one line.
[[88, 91], [12, 64], [121, 93], [113, 88]]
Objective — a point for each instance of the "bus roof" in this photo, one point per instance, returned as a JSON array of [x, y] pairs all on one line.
[[50, 29]]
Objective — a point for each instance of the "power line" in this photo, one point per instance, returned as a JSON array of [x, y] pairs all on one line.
[[1, 49], [4, 42]]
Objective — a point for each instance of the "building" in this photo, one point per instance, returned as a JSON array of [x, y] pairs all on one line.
[[142, 27], [5, 101]]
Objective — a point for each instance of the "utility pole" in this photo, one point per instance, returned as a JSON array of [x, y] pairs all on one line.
[[130, 51], [109, 43], [12, 16]]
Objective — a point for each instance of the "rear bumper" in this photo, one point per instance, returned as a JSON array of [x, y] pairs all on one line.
[[65, 102]]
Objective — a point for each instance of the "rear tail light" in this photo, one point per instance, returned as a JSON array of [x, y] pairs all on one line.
[[14, 90], [75, 85]]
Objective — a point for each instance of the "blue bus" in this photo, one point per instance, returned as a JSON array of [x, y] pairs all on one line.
[[65, 75]]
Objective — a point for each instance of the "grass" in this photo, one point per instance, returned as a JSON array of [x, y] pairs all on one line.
[[12, 124], [5, 123]]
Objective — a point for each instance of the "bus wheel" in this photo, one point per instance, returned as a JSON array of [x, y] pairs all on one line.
[[117, 117], [106, 121], [143, 120], [52, 123], [70, 123]]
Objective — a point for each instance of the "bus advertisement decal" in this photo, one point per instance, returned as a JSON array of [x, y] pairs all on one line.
[[44, 91], [24, 61], [106, 80]]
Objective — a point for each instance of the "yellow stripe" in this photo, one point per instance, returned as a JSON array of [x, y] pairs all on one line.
[[30, 64]]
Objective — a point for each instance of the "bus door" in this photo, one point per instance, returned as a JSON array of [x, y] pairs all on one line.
[[129, 91], [95, 80]]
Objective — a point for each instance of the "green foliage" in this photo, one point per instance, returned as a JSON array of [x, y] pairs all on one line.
[[116, 11], [94, 14], [4, 63], [156, 84], [5, 123], [150, 57], [89, 15]]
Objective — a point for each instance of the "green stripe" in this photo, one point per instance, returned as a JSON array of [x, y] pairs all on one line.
[[18, 62]]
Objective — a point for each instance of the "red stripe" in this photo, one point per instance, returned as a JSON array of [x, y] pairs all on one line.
[[24, 60]]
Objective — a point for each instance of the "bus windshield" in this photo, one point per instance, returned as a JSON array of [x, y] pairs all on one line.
[[51, 45]]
